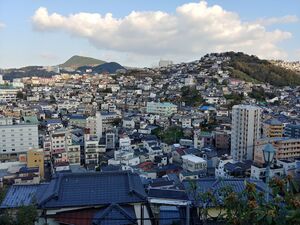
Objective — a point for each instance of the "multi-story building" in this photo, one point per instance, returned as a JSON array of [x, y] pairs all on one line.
[[246, 127], [272, 128], [105, 121], [16, 139], [92, 150], [193, 163], [222, 139], [161, 108], [110, 140], [8, 94], [292, 130], [35, 158], [286, 148]]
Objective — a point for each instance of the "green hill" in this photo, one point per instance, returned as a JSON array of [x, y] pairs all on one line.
[[78, 61], [251, 68]]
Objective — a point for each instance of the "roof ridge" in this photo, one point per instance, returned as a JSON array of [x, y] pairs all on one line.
[[117, 207]]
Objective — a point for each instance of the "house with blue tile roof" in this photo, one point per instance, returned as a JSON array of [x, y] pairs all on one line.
[[84, 199]]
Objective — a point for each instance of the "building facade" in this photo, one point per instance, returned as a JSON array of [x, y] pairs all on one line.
[[246, 128], [17, 139], [161, 108]]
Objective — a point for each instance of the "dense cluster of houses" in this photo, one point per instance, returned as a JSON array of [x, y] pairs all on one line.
[[94, 146]]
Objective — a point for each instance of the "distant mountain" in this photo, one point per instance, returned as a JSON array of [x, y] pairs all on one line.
[[251, 68], [78, 61], [110, 67]]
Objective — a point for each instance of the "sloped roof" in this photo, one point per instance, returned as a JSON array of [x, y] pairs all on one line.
[[89, 189], [214, 185], [22, 195], [115, 215]]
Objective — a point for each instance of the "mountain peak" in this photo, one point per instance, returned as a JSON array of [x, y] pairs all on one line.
[[77, 61]]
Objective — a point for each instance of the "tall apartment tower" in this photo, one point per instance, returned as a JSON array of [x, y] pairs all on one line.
[[246, 127], [99, 125]]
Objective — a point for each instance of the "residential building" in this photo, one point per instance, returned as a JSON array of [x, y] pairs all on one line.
[[110, 140], [292, 130], [246, 127], [161, 108], [193, 163], [272, 128], [8, 94], [286, 148], [16, 139], [35, 158]]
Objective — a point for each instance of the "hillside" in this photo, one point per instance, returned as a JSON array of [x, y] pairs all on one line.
[[110, 67], [78, 61], [251, 68]]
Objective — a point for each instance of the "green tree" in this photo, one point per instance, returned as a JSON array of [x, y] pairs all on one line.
[[170, 135], [250, 207], [27, 215], [191, 96], [20, 95]]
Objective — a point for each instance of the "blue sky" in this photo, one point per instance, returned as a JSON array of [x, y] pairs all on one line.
[[27, 42]]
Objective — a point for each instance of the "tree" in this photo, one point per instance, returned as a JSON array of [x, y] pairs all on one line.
[[170, 135], [250, 207], [20, 95], [191, 96], [27, 215]]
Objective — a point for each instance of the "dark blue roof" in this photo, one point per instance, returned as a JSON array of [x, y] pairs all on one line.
[[22, 195], [168, 194], [82, 189], [215, 185], [115, 215], [77, 117]]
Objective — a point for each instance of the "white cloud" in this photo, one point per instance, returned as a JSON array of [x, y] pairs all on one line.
[[278, 20], [193, 30], [2, 25]]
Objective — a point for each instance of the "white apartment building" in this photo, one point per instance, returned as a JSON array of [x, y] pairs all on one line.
[[124, 142], [8, 94], [92, 150], [161, 108], [17, 139], [193, 163], [246, 124], [104, 122]]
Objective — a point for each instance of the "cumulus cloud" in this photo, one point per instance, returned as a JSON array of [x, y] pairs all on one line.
[[193, 30], [278, 20]]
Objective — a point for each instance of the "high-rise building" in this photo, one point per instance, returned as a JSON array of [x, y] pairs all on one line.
[[246, 128]]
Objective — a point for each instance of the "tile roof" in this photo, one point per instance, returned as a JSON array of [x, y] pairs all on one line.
[[115, 215], [215, 185], [22, 195], [82, 189]]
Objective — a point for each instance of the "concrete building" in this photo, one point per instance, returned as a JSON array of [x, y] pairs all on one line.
[[272, 128], [161, 108], [104, 122], [286, 148], [292, 130], [222, 139], [8, 94], [193, 163], [165, 63], [17, 139], [110, 140], [35, 158], [246, 127]]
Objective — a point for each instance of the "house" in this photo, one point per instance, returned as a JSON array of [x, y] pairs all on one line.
[[96, 197]]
